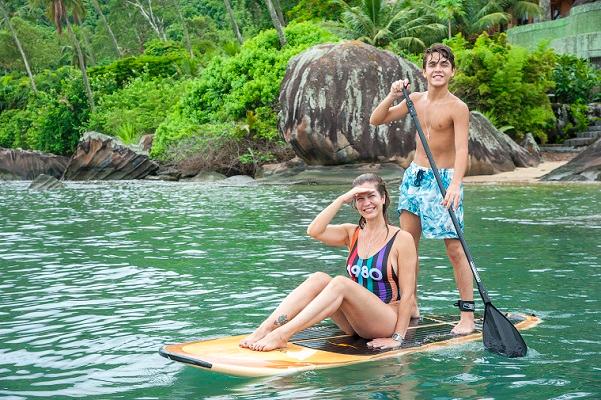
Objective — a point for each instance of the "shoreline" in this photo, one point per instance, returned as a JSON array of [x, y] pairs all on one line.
[[518, 175]]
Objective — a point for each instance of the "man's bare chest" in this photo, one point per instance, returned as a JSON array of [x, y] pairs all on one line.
[[435, 118]]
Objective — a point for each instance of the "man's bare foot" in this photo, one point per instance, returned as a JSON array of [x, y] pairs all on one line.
[[466, 324], [254, 337], [273, 340]]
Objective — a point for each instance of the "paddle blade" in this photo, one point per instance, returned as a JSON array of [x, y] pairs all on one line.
[[500, 336]]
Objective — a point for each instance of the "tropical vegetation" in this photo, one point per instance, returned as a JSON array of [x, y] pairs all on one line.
[[204, 75]]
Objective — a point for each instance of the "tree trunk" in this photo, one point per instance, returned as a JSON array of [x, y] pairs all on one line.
[[228, 7], [88, 48], [18, 43], [155, 22], [108, 27], [82, 66], [449, 28], [276, 23], [185, 28], [278, 10]]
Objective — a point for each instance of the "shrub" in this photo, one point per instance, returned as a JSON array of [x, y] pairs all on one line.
[[575, 79], [58, 117], [50, 120], [14, 125], [239, 91], [14, 91], [175, 64], [136, 109], [506, 81]]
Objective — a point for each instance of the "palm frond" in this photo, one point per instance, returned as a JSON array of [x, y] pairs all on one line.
[[525, 9], [491, 20]]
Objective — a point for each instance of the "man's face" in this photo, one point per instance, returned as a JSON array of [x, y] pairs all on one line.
[[438, 70]]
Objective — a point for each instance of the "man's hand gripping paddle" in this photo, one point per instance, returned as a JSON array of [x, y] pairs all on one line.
[[498, 333]]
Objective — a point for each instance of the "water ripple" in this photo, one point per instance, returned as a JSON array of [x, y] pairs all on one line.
[[96, 277]]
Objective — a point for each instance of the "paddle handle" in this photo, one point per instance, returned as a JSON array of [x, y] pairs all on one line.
[[422, 137]]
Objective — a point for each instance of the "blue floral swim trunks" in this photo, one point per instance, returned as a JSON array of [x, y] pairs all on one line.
[[420, 195]]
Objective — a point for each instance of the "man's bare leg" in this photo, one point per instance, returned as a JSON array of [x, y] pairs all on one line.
[[464, 282], [290, 306], [411, 223]]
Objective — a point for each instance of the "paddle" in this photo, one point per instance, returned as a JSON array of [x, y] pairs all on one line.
[[498, 333]]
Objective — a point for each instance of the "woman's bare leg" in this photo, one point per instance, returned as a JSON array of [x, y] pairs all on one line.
[[365, 313], [290, 306], [411, 223]]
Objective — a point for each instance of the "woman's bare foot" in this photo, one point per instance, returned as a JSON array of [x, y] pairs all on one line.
[[273, 340], [465, 326], [254, 337]]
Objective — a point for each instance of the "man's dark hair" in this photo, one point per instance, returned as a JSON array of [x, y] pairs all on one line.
[[442, 50]]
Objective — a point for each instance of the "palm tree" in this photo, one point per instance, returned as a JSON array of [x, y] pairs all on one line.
[[379, 23], [18, 43], [492, 15], [276, 22], [58, 12], [108, 27], [182, 21], [448, 10], [519, 9], [230, 12]]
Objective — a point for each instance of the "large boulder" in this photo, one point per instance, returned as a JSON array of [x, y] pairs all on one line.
[[492, 151], [327, 96], [330, 91], [102, 157], [17, 164], [586, 166]]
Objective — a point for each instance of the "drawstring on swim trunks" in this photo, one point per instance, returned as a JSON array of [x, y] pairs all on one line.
[[419, 177]]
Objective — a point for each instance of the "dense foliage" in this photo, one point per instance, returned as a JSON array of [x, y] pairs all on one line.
[[48, 120], [235, 97], [137, 109], [506, 83], [575, 80], [206, 78]]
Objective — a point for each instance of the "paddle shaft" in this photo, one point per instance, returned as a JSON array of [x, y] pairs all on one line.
[[443, 191]]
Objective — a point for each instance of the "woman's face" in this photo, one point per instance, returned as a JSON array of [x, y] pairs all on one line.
[[370, 202]]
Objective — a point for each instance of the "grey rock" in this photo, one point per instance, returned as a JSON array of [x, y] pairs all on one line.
[[492, 151], [45, 182], [281, 170], [238, 180], [169, 173], [327, 96], [146, 142], [529, 143], [17, 164], [586, 166], [207, 176], [102, 157]]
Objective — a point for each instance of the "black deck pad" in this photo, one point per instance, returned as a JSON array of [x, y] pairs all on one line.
[[422, 331]]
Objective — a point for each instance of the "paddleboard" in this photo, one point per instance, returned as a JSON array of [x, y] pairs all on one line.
[[322, 346]]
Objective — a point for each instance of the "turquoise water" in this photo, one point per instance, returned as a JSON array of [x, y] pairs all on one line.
[[96, 277]]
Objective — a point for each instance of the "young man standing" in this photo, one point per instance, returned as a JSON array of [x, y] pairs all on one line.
[[445, 120]]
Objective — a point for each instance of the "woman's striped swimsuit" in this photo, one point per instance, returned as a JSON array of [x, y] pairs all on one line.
[[375, 273]]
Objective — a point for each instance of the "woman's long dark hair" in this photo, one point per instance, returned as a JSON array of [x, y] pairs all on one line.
[[381, 188]]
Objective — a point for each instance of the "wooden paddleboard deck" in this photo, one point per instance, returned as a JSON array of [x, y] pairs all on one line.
[[322, 346]]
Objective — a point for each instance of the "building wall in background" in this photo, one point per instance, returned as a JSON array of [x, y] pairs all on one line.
[[579, 33]]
